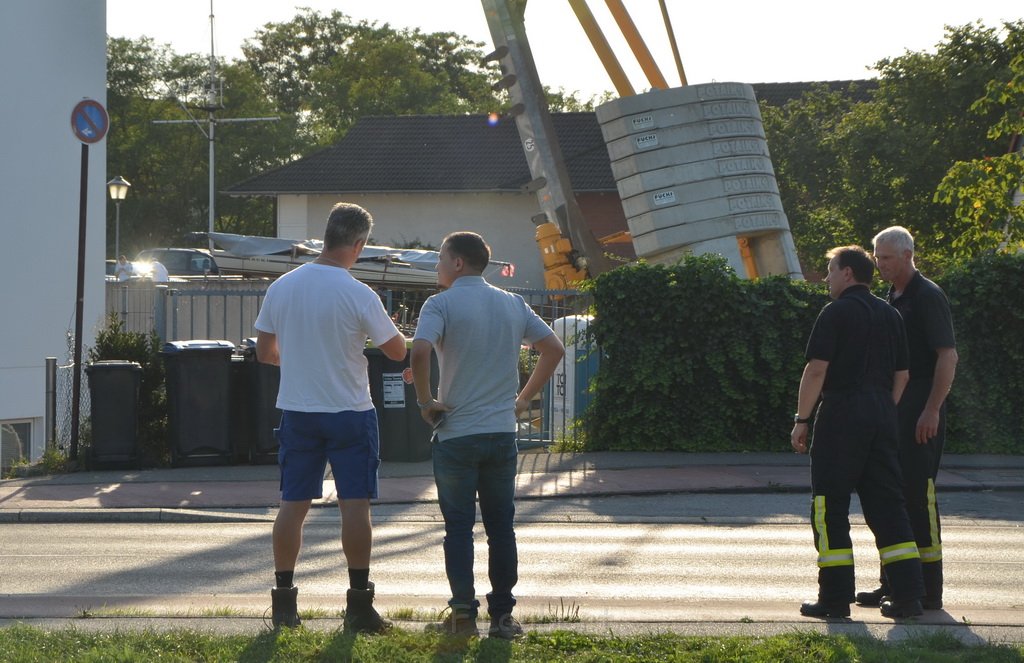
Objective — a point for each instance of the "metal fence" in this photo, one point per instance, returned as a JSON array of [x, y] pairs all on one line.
[[211, 308], [191, 309]]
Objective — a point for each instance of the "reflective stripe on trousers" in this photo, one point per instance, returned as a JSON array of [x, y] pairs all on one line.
[[933, 552], [826, 556], [898, 552]]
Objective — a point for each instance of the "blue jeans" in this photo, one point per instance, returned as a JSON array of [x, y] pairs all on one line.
[[465, 467]]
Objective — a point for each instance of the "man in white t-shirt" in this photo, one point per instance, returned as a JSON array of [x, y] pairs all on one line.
[[159, 274], [314, 323], [123, 270]]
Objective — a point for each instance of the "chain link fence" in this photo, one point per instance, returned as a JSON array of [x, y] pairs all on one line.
[[64, 388]]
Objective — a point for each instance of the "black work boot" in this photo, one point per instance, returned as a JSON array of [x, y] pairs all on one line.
[[284, 611], [360, 617], [873, 598], [901, 609], [824, 610]]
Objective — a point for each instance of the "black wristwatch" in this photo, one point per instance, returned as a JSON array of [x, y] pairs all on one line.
[[798, 420]]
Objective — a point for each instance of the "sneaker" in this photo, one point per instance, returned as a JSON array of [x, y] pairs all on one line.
[[457, 624], [505, 627]]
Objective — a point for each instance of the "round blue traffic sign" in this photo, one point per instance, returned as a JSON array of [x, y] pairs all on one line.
[[89, 121]]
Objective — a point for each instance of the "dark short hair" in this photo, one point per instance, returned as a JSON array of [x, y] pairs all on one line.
[[469, 246], [857, 259], [347, 224]]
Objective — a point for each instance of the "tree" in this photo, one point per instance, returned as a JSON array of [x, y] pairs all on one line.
[[884, 159], [806, 162], [168, 165], [329, 71], [986, 191]]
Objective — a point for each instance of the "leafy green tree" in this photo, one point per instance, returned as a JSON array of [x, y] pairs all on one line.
[[330, 71], [168, 164], [848, 170], [986, 191], [806, 160]]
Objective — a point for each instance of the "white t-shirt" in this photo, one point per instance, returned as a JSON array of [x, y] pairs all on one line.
[[123, 270], [160, 274], [322, 317]]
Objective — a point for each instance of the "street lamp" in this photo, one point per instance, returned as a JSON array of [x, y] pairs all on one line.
[[118, 188]]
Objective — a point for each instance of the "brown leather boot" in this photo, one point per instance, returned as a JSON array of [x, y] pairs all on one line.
[[284, 611], [360, 617]]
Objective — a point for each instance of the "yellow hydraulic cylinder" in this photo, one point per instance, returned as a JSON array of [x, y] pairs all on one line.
[[555, 250], [748, 257]]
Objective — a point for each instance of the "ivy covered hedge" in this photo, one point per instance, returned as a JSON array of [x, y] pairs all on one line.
[[697, 359], [986, 406]]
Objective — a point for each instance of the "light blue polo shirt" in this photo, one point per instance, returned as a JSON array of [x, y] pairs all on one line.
[[477, 331]]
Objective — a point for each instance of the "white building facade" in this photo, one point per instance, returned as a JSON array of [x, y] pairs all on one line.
[[55, 55]]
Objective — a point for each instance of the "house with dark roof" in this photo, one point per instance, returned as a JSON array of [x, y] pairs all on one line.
[[424, 176]]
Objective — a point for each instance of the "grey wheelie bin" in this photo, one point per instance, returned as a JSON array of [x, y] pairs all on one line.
[[404, 436], [254, 413], [114, 400], [198, 401]]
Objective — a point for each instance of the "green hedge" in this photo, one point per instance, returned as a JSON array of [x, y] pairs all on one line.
[[986, 405], [697, 359]]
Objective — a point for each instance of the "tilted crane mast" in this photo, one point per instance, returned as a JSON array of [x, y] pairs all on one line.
[[569, 249], [724, 201]]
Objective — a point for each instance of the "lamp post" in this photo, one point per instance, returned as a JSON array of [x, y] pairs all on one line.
[[118, 188]]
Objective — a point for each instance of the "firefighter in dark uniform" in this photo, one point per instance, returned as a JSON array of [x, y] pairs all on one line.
[[857, 365], [922, 410]]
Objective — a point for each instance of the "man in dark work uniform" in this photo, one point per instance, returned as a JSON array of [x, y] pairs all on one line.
[[857, 365], [922, 410]]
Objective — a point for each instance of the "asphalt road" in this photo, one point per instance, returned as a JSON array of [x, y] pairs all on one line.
[[693, 559]]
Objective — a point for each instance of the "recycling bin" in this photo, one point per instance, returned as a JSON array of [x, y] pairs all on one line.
[[404, 436], [198, 401], [114, 401], [254, 413]]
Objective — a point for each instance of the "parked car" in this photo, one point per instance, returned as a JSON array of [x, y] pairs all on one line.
[[179, 262]]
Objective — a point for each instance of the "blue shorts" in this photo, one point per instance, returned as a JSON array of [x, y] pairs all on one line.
[[308, 440]]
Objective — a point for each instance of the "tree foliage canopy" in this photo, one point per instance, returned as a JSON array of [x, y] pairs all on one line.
[[847, 170]]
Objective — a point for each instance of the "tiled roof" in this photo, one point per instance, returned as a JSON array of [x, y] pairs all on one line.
[[462, 153], [437, 153], [778, 94]]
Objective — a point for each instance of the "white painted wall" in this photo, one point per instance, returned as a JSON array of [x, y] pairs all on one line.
[[291, 217], [55, 55], [503, 219]]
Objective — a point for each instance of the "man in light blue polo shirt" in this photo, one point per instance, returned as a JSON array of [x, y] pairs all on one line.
[[477, 331]]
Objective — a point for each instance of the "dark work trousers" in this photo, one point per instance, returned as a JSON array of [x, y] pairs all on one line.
[[919, 464], [855, 448]]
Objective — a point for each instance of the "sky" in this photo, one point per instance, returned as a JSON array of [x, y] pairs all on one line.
[[749, 41]]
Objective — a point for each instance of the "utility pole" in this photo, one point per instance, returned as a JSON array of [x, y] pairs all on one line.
[[212, 102]]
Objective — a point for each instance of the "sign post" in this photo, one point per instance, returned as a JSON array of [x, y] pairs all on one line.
[[89, 123]]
